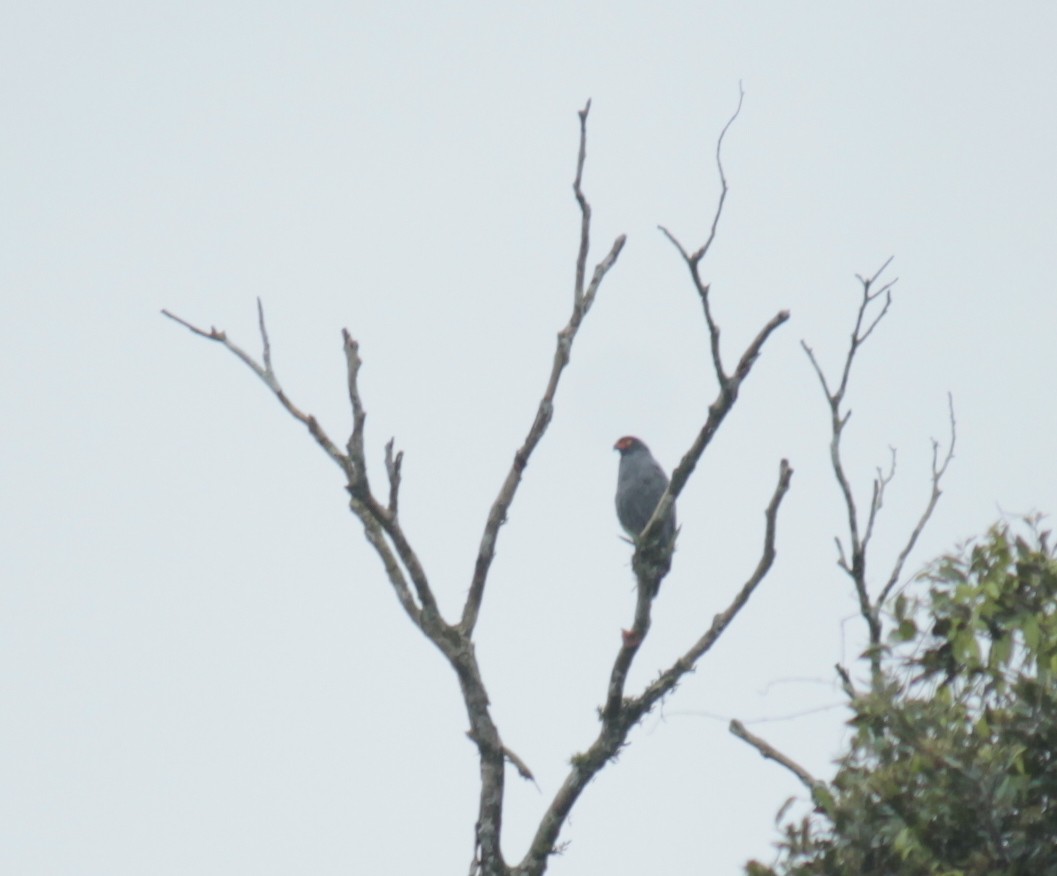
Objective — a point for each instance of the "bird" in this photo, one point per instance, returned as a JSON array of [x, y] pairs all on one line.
[[640, 484]]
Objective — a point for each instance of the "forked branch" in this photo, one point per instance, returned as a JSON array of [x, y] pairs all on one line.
[[652, 559], [582, 301], [693, 260], [671, 676], [383, 530], [939, 468], [874, 303], [651, 563], [267, 374], [375, 518], [617, 722]]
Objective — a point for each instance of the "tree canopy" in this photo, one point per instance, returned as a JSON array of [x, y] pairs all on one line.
[[952, 766]]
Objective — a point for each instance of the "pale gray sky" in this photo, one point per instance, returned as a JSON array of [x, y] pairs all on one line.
[[202, 667]]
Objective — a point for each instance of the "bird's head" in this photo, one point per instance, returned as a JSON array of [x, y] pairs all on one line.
[[628, 443]]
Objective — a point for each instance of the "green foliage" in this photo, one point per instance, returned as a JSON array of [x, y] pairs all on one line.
[[952, 769]]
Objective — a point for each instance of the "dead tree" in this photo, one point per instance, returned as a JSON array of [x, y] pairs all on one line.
[[853, 551], [378, 513]]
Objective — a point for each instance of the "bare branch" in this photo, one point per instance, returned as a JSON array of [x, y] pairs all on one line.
[[520, 765], [855, 562], [648, 581], [668, 679], [488, 857], [618, 721], [845, 682], [509, 754], [652, 559], [359, 486], [409, 558], [265, 373], [213, 334], [585, 209], [693, 260], [266, 347], [356, 454], [703, 289], [675, 242], [938, 470], [651, 562], [701, 252], [880, 315], [601, 269], [858, 335], [373, 516], [769, 752], [752, 352], [393, 572], [842, 560], [717, 412], [817, 367], [392, 468], [877, 499], [582, 301]]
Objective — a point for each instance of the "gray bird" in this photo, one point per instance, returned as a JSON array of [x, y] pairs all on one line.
[[640, 484]]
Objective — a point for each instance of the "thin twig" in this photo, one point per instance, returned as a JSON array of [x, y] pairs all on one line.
[[938, 470], [375, 519], [877, 499], [266, 352], [769, 752], [392, 468], [585, 209], [704, 248], [845, 681], [270, 380], [693, 260], [768, 719], [858, 336], [520, 765], [509, 754]]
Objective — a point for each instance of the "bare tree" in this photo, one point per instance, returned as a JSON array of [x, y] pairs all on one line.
[[853, 552], [852, 556], [378, 513]]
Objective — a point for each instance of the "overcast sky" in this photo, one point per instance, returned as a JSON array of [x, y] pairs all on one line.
[[202, 667]]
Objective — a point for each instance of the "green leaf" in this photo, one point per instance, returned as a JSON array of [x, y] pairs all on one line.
[[906, 631]]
